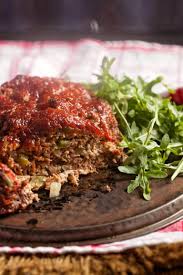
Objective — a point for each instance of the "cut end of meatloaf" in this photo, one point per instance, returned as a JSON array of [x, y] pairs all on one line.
[[14, 194], [53, 131]]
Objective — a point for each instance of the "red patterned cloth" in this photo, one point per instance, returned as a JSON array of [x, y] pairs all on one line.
[[79, 61]]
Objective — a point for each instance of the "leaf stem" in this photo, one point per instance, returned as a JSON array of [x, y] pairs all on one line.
[[151, 126], [124, 120], [178, 170]]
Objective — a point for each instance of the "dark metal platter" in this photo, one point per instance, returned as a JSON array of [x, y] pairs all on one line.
[[100, 210]]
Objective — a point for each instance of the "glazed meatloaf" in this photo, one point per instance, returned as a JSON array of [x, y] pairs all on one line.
[[52, 131]]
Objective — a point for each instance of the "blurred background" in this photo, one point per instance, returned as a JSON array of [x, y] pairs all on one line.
[[65, 21], [152, 20]]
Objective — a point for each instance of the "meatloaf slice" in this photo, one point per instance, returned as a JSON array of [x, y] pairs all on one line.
[[14, 194], [52, 131]]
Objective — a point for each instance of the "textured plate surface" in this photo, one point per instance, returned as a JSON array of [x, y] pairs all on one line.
[[100, 210]]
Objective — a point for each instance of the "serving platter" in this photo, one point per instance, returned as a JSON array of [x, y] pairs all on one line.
[[99, 210]]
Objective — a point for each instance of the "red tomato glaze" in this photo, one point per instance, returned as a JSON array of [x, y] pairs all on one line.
[[34, 106]]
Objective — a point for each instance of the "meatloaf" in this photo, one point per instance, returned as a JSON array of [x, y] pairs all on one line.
[[52, 131], [14, 194]]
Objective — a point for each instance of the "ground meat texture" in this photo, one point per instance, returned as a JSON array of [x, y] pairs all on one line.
[[53, 131], [14, 194]]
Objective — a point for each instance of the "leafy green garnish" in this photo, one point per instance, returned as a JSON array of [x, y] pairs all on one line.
[[151, 127]]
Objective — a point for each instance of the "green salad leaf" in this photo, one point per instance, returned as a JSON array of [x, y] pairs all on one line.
[[151, 127]]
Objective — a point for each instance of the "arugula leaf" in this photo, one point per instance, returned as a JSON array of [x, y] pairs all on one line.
[[151, 127], [165, 141], [127, 169]]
